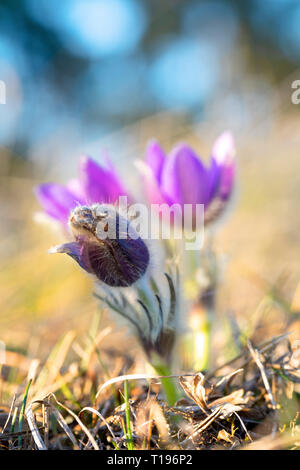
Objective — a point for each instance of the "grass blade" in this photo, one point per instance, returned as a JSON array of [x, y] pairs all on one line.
[[130, 445], [22, 412]]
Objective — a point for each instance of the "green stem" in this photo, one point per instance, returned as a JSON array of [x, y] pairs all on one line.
[[170, 389], [197, 342], [207, 334], [22, 412], [130, 445]]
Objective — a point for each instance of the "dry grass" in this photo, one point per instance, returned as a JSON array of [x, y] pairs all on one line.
[[251, 402]]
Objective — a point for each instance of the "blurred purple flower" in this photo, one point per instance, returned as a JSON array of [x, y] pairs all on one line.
[[94, 184], [182, 178]]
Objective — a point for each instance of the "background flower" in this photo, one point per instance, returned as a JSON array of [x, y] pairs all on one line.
[[94, 184], [182, 178]]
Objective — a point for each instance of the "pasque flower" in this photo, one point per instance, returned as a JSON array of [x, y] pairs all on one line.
[[182, 178], [116, 257], [94, 184], [85, 206]]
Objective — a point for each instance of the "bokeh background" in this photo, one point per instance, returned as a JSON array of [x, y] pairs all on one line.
[[86, 75]]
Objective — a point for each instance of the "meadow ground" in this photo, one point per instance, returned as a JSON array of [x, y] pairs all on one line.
[[62, 345]]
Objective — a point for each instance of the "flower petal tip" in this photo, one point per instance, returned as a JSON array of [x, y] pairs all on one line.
[[153, 143], [55, 249], [223, 150], [155, 158]]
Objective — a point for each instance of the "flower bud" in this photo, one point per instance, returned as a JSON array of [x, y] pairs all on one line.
[[106, 245]]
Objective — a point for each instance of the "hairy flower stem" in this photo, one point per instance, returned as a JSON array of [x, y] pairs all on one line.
[[198, 341], [207, 301], [205, 361]]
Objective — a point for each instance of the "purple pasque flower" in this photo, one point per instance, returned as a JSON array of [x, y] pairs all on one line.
[[182, 178], [105, 245], [94, 184], [86, 205]]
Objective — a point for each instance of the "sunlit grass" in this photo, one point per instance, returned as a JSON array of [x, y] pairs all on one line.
[[55, 336]]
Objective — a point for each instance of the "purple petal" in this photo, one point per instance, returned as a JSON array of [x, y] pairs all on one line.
[[214, 178], [223, 166], [227, 181], [92, 179], [117, 263], [184, 178], [155, 159], [98, 184], [77, 251], [56, 200], [76, 188], [152, 188], [115, 182]]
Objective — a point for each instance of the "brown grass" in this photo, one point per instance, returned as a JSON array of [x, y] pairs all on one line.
[[251, 402]]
